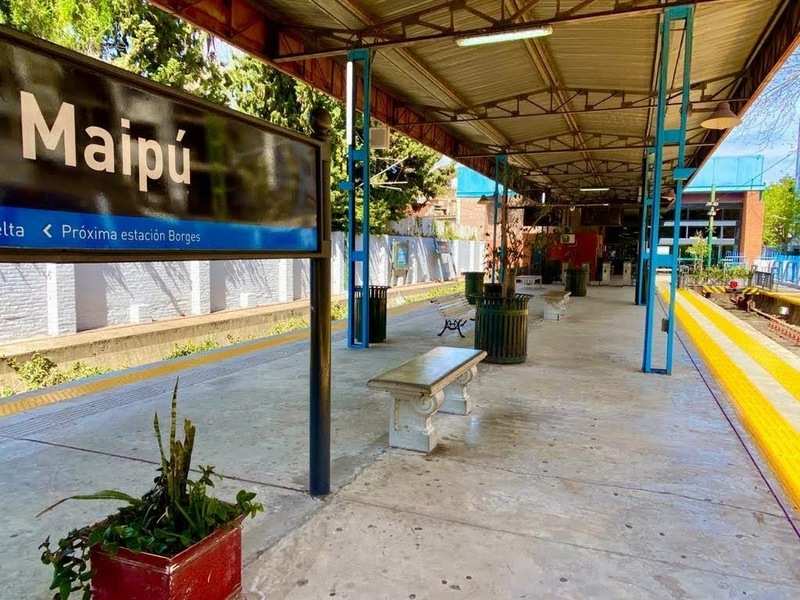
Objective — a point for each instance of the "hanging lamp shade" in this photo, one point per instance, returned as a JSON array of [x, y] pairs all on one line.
[[722, 118]]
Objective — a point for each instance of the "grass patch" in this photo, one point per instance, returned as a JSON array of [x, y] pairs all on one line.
[[40, 371], [191, 347], [430, 294]]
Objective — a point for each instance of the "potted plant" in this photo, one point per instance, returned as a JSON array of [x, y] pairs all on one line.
[[174, 542], [501, 317]]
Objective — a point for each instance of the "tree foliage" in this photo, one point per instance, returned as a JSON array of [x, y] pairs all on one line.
[[140, 38], [781, 213]]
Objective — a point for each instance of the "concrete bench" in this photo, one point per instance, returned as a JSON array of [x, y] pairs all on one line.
[[555, 305], [436, 380], [456, 311]]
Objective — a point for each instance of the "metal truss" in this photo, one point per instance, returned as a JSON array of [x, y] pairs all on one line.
[[582, 167], [442, 21], [570, 142], [570, 101]]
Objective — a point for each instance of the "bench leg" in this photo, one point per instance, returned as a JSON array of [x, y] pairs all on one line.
[[411, 421], [457, 400], [459, 325]]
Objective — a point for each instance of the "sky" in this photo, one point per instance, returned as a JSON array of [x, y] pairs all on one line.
[[781, 150]]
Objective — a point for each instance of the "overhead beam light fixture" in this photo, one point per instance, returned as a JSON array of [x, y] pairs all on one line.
[[722, 118], [595, 189], [508, 36]]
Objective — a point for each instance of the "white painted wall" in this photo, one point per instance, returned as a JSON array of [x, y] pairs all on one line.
[[40, 300], [23, 301]]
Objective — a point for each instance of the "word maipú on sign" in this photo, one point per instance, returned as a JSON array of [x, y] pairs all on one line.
[[93, 159]]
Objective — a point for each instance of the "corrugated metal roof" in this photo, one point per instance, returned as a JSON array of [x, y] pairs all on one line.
[[612, 54]]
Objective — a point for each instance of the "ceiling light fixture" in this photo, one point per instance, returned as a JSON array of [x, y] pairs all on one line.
[[508, 36], [722, 118], [595, 189]]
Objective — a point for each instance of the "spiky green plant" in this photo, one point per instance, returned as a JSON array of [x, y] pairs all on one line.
[[176, 513]]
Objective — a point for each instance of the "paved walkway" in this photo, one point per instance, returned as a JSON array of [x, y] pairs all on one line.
[[576, 476]]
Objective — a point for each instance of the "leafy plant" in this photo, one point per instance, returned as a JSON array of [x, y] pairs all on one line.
[[191, 347], [176, 513], [338, 311], [495, 258], [41, 371]]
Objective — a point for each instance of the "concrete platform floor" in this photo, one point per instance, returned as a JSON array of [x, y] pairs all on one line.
[[576, 476]]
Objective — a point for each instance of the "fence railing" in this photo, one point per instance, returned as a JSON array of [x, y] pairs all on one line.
[[785, 268]]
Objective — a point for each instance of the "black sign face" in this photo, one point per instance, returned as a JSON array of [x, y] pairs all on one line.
[[95, 160]]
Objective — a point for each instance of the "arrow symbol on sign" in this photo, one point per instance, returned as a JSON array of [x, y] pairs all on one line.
[[46, 230]]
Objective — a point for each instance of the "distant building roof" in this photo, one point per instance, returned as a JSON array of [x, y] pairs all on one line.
[[471, 184], [730, 174]]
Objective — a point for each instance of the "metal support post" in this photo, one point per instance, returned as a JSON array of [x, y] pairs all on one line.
[[646, 202], [681, 174], [319, 472], [665, 137], [358, 162]]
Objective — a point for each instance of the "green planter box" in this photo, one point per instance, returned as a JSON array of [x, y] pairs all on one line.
[[473, 285], [501, 329]]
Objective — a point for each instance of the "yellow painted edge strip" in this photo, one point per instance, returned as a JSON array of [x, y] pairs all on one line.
[[783, 372], [167, 367], [777, 440]]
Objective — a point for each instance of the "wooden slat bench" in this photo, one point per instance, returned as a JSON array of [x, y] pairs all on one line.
[[456, 311], [436, 380]]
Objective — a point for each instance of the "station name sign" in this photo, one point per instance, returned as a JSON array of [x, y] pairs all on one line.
[[96, 160]]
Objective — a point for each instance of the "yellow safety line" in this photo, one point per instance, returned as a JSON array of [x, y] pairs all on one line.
[[166, 368], [778, 441], [783, 371]]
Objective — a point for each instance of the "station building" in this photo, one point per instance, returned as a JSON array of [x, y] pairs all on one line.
[[738, 184]]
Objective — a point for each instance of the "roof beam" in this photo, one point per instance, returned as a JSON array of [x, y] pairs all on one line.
[[438, 23], [570, 101]]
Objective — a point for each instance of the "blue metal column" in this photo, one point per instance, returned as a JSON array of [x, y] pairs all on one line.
[[358, 161], [681, 174], [665, 137], [646, 202]]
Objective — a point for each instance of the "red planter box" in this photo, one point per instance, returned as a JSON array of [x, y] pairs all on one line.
[[209, 570]]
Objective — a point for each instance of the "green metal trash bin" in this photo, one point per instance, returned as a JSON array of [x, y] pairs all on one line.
[[501, 329], [377, 313], [577, 281], [473, 285]]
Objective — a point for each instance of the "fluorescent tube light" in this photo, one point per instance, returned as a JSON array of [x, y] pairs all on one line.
[[509, 36], [595, 189]]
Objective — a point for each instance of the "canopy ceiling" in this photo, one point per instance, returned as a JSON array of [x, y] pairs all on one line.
[[574, 109]]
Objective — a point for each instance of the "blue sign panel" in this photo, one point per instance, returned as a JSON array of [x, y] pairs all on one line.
[[95, 160]]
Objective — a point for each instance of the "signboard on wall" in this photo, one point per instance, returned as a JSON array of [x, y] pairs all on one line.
[[400, 255], [96, 161]]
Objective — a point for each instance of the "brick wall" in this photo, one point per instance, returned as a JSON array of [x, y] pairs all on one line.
[[752, 228]]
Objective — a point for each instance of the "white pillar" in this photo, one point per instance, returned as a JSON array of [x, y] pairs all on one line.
[[61, 313], [200, 278], [284, 280]]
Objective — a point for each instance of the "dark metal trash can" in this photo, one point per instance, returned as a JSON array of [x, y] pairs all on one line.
[[576, 281], [473, 285], [501, 329], [377, 313]]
